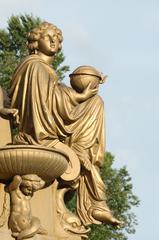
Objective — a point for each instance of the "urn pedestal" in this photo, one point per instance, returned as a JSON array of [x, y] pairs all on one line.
[[48, 164]]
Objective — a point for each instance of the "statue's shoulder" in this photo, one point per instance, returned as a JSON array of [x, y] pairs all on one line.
[[36, 63], [31, 62]]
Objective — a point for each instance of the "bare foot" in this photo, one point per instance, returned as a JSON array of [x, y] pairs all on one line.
[[106, 217]]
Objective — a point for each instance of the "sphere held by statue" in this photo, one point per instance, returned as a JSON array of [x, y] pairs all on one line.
[[83, 76]]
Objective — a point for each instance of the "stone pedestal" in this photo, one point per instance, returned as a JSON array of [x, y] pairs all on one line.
[[43, 204]]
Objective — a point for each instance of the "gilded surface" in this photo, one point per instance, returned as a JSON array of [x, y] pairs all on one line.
[[53, 115], [5, 136], [21, 222]]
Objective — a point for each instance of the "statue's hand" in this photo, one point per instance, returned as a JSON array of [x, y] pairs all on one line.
[[86, 94], [17, 179], [14, 184], [89, 91], [10, 113]]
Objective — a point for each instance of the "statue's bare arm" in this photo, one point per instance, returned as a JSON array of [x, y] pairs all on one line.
[[14, 184], [7, 113]]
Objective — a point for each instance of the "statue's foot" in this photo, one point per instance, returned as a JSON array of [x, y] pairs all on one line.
[[105, 217]]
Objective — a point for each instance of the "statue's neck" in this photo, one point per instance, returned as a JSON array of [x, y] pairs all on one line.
[[45, 58]]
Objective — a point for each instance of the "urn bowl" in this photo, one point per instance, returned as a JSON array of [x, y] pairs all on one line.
[[47, 163]]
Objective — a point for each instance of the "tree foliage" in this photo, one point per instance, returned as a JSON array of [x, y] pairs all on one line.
[[13, 47]]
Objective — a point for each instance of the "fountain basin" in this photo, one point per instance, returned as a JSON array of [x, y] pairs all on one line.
[[47, 163]]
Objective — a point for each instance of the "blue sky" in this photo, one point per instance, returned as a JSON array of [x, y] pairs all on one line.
[[120, 38]]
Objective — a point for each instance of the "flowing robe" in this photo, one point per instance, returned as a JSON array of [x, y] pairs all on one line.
[[49, 113]]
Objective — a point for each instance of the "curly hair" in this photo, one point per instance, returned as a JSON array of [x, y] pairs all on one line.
[[36, 33]]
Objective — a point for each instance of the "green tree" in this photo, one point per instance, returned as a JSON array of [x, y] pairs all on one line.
[[13, 47]]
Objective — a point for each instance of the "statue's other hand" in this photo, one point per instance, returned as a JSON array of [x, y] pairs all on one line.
[[89, 91], [9, 113]]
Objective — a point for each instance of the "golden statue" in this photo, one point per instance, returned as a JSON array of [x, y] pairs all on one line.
[[21, 221], [55, 116]]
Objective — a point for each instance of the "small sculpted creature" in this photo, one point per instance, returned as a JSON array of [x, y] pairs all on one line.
[[21, 222]]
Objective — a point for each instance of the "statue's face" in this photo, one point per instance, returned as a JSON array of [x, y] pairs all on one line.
[[27, 189], [48, 44]]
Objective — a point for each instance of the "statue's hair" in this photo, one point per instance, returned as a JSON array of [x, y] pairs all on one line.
[[33, 180], [36, 33]]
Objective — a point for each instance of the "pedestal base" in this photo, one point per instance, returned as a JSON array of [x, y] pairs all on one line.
[[43, 206]]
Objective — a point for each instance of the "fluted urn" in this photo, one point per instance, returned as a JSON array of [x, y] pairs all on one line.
[[47, 163]]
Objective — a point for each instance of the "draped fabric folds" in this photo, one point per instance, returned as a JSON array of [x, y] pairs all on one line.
[[49, 113]]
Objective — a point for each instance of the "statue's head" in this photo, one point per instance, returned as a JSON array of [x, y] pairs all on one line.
[[30, 184], [45, 38]]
